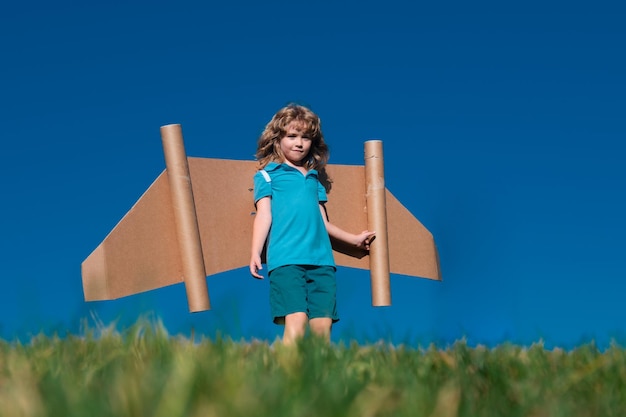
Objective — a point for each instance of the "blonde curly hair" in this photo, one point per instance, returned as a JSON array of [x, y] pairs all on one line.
[[268, 146]]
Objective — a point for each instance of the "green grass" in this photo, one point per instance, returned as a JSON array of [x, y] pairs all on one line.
[[143, 371]]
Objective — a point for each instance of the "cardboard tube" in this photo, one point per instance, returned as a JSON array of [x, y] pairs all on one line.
[[187, 232], [377, 222]]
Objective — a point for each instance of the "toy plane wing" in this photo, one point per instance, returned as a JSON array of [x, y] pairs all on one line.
[[143, 251]]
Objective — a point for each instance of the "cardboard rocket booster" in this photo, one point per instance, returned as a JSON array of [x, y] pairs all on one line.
[[195, 220]]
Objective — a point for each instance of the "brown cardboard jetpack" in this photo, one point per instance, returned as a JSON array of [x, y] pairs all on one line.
[[195, 220]]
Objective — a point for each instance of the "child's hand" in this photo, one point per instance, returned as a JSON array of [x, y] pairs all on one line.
[[255, 266], [364, 239]]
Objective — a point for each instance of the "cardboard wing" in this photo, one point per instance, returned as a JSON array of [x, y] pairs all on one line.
[[150, 247]]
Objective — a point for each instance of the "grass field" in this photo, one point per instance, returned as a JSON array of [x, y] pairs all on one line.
[[143, 371]]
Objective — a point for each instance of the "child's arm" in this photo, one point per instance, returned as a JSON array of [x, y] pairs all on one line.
[[361, 240], [260, 229]]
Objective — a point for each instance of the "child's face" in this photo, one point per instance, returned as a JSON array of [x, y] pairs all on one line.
[[296, 144]]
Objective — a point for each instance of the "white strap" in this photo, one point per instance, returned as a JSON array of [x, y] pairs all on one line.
[[266, 175]]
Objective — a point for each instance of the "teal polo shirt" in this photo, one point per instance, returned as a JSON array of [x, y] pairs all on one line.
[[298, 235]]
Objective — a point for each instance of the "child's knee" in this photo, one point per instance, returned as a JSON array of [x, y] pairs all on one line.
[[296, 320], [321, 325], [295, 325]]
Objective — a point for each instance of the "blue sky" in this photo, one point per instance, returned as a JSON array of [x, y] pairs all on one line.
[[503, 127]]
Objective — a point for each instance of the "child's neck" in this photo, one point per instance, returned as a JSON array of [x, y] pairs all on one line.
[[300, 168]]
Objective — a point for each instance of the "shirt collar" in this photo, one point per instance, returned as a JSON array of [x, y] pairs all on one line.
[[272, 166]]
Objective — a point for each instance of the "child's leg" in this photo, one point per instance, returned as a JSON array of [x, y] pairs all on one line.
[[321, 327], [288, 301], [295, 326], [321, 298]]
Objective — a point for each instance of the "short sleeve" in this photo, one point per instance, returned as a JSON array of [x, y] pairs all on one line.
[[321, 193], [262, 188]]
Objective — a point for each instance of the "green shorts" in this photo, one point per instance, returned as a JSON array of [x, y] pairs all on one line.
[[303, 288]]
